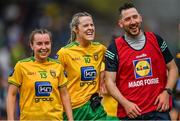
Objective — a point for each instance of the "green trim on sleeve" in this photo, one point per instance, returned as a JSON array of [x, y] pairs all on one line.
[[60, 86], [13, 83]]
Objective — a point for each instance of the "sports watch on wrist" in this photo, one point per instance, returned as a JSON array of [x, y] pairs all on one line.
[[169, 91]]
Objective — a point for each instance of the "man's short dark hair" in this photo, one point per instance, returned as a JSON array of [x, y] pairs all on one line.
[[126, 6]]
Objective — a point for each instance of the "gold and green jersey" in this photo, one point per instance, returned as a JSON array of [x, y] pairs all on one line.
[[82, 67], [110, 105], [39, 85]]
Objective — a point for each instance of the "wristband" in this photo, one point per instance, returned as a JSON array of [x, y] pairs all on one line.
[[169, 91]]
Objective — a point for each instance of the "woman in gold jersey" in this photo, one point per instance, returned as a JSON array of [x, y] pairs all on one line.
[[40, 82], [82, 59]]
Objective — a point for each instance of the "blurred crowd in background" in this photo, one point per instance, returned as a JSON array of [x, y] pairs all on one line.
[[19, 17]]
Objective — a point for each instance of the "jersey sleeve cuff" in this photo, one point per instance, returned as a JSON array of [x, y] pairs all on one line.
[[60, 86], [13, 83]]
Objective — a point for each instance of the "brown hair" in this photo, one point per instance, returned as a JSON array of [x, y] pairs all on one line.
[[39, 31]]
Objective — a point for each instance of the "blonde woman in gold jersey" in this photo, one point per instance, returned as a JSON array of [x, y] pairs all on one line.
[[82, 59]]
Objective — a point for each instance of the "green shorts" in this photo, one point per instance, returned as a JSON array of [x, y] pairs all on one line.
[[85, 112], [112, 118]]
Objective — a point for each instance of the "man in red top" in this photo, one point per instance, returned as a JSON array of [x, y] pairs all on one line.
[[140, 70]]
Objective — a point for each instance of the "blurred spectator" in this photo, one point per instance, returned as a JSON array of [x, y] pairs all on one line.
[[2, 97]]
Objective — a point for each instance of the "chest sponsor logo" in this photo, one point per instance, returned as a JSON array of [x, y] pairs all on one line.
[[142, 68], [43, 88], [143, 82], [88, 74], [43, 91]]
